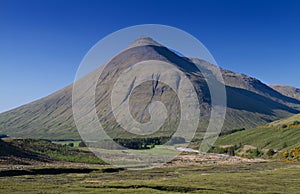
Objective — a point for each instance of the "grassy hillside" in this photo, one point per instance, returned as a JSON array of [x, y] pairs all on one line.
[[290, 122], [279, 135], [269, 138], [30, 151]]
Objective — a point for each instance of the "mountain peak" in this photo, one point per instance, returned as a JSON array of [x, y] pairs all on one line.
[[144, 41]]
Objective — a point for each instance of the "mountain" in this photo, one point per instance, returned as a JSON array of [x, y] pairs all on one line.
[[251, 103], [287, 90]]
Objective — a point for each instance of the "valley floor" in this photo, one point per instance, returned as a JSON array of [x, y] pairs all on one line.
[[239, 177]]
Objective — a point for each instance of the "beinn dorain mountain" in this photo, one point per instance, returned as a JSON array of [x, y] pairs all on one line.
[[250, 102]]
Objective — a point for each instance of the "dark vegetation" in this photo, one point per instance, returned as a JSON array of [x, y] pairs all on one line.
[[14, 154], [140, 143], [225, 150], [56, 171], [44, 171], [133, 143], [231, 131], [292, 154], [255, 152], [3, 135], [180, 189], [42, 150], [147, 143]]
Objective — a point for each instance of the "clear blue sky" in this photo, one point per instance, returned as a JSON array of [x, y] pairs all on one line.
[[43, 42]]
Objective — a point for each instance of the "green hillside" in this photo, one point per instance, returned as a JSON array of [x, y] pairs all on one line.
[[290, 122], [279, 135]]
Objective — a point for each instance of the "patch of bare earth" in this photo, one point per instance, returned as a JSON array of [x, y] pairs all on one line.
[[210, 158]]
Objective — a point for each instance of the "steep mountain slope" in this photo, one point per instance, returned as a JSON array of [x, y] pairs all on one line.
[[250, 102], [287, 90]]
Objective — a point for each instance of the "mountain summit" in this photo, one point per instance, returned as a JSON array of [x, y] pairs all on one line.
[[250, 102], [144, 41]]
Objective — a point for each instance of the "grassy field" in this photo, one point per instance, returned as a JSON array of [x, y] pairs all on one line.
[[266, 177]]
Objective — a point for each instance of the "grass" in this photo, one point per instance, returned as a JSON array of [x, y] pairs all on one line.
[[280, 136], [124, 157], [61, 152], [52, 151], [268, 138], [285, 121], [261, 177], [271, 177]]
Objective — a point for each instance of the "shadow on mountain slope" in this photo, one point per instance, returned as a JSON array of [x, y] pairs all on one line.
[[241, 99]]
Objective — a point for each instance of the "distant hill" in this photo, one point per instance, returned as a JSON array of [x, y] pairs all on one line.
[[287, 90], [279, 135], [251, 103]]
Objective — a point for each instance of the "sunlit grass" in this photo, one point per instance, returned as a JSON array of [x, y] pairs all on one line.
[[271, 177]]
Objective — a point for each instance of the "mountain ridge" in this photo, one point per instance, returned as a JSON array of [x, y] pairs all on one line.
[[289, 91]]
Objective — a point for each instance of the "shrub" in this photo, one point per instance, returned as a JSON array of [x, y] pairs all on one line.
[[217, 150], [284, 145], [292, 154], [230, 151], [231, 131], [236, 147], [270, 152], [71, 144], [254, 152], [81, 144]]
